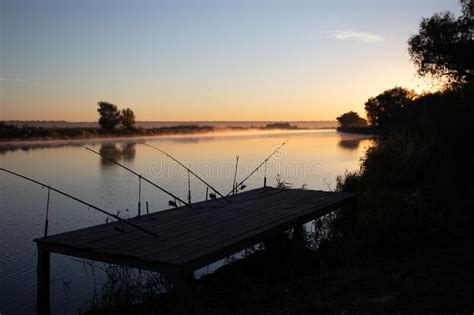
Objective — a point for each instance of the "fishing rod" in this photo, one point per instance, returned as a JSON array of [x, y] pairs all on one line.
[[235, 174], [256, 169], [189, 170], [140, 177], [81, 201]]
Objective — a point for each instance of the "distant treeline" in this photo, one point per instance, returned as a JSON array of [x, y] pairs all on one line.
[[280, 125], [113, 122], [14, 132], [30, 133], [317, 124]]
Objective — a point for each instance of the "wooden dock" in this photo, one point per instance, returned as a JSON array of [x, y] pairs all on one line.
[[189, 238]]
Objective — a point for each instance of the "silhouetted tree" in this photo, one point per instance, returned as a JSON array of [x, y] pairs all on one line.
[[444, 46], [109, 115], [351, 119], [389, 109], [127, 118]]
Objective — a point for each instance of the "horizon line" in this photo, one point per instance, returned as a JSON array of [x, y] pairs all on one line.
[[141, 121]]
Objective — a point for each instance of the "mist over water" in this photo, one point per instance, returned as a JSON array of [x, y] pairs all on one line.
[[311, 158]]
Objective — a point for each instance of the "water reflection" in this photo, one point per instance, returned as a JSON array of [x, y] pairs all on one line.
[[27, 146], [351, 144], [128, 151], [13, 146], [313, 158], [125, 152]]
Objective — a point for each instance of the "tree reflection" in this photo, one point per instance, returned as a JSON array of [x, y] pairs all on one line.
[[128, 151], [350, 144], [124, 152]]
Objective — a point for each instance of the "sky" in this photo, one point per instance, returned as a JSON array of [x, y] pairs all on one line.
[[205, 60]]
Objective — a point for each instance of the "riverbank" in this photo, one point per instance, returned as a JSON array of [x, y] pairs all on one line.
[[418, 259], [435, 278], [29, 133]]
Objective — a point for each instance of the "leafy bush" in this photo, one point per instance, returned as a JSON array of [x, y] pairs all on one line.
[[411, 173]]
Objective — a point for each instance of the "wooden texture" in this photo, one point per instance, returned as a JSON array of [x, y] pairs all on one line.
[[192, 238]]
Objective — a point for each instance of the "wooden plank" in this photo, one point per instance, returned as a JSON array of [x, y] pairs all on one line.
[[241, 206], [160, 229], [226, 247], [123, 245], [229, 235], [243, 201], [193, 238], [253, 218], [206, 226], [107, 229], [120, 245], [122, 260]]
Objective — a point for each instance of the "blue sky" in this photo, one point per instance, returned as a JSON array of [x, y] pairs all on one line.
[[205, 60]]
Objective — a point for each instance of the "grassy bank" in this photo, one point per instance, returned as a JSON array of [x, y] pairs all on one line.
[[26, 133], [301, 280]]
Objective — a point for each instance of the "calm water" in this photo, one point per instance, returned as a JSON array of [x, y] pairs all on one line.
[[312, 158]]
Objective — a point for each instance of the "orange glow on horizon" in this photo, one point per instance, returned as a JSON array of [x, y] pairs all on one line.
[[311, 99]]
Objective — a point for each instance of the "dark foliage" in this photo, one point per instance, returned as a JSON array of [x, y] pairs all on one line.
[[280, 125], [12, 132], [352, 122], [414, 176], [109, 116], [351, 119], [28, 132], [444, 46], [418, 178], [127, 119], [390, 109], [185, 129]]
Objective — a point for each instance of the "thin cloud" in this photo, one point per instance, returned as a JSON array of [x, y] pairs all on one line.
[[365, 37], [18, 80], [3, 78]]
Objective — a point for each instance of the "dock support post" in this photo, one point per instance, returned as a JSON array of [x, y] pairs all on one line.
[[139, 195], [181, 280], [43, 276]]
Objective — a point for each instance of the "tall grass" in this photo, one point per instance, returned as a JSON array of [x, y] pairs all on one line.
[[125, 286], [410, 183]]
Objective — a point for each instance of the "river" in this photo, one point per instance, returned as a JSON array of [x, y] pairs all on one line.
[[311, 158]]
